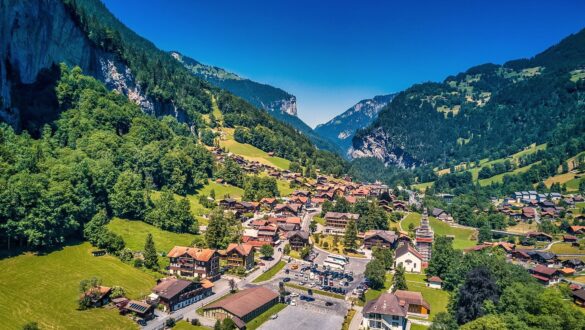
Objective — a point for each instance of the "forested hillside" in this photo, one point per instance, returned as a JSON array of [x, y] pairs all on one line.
[[489, 111]]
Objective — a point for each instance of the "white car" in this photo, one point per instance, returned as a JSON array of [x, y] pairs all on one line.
[[293, 303], [294, 294]]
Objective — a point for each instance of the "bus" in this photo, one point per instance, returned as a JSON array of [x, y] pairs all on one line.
[[336, 262]]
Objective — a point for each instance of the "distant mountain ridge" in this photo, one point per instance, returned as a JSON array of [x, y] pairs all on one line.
[[263, 96], [342, 128], [278, 103]]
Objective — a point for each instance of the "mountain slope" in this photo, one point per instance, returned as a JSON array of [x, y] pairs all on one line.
[[342, 128], [278, 103], [488, 111]]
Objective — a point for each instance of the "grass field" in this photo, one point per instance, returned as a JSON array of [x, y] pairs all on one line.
[[580, 279], [183, 325], [260, 319], [250, 152], [500, 177], [523, 227], [339, 249], [463, 237], [270, 273], [423, 186], [284, 188], [134, 234], [566, 248], [573, 185], [561, 178], [44, 289], [438, 299], [414, 326]]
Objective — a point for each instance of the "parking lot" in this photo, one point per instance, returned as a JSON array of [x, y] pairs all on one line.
[[308, 315]]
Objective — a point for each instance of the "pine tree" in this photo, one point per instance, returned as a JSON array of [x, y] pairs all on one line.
[[150, 256], [350, 236], [399, 280]]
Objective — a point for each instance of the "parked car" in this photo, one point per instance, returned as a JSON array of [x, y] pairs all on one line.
[[328, 303], [286, 279]]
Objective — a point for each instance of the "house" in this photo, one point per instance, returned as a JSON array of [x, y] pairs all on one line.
[[99, 295], [194, 262], [288, 209], [243, 306], [239, 255], [381, 238], [521, 255], [268, 203], [569, 238], [539, 236], [545, 258], [409, 258], [385, 312], [528, 213], [335, 222], [141, 309], [298, 239], [174, 294], [417, 305], [435, 282], [400, 206], [441, 214], [576, 264], [545, 275], [579, 297], [577, 230], [268, 234]]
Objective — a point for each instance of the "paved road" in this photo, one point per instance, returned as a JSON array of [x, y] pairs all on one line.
[[356, 321]]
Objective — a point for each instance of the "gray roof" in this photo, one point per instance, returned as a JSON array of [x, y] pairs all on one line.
[[387, 304]]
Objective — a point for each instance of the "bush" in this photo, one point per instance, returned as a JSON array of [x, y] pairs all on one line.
[[138, 263]]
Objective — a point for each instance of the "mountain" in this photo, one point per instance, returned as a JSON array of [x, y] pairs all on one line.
[[37, 36], [278, 103], [488, 111], [342, 128], [263, 96]]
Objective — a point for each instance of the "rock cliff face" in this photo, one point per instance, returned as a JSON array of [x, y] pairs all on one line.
[[287, 105], [377, 145], [342, 128], [37, 35]]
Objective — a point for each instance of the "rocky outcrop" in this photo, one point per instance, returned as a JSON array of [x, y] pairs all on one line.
[[37, 35], [288, 106], [377, 145], [342, 128]]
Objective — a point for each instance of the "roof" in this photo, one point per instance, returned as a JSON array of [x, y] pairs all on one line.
[[338, 215], [436, 279], [387, 235], [412, 298], [293, 220], [206, 284], [196, 253], [387, 304], [579, 294], [245, 302], [242, 249], [544, 270], [436, 212], [301, 233], [139, 307], [171, 287], [405, 248]]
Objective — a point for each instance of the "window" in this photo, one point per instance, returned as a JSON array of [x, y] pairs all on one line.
[[395, 317]]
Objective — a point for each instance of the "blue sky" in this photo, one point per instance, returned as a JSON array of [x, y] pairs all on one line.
[[331, 54]]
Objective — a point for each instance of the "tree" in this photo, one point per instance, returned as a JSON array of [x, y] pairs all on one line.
[[286, 249], [479, 286], [217, 229], [444, 260], [217, 325], [117, 291], [399, 280], [232, 284], [150, 255], [488, 322], [375, 273], [231, 173], [385, 255], [350, 237], [313, 226], [128, 199], [444, 321], [267, 251], [87, 289], [305, 251], [485, 234]]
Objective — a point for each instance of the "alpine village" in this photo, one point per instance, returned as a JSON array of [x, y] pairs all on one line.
[[140, 188]]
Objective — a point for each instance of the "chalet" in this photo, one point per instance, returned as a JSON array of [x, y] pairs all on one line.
[[417, 305], [174, 294], [259, 223], [336, 222], [194, 262], [243, 306], [350, 199], [539, 236], [569, 238], [385, 312], [381, 238], [555, 196], [521, 255], [546, 204], [545, 275], [408, 257], [400, 206], [528, 213], [577, 230], [441, 215], [268, 234], [305, 201], [435, 282], [239, 255], [285, 228], [301, 193], [325, 195], [99, 295], [544, 258], [288, 209], [579, 297], [268, 203], [576, 264], [141, 309], [298, 239]]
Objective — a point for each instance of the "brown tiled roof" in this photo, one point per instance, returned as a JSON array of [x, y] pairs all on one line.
[[303, 234], [435, 279], [196, 253], [540, 269], [245, 302], [412, 298], [387, 304], [243, 249], [338, 215], [294, 220], [206, 284], [170, 287], [405, 248], [579, 294]]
